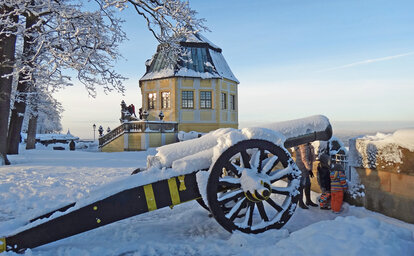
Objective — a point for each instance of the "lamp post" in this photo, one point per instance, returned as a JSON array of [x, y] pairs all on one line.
[[94, 128]]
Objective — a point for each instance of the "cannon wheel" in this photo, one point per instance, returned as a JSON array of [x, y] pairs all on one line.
[[253, 186]]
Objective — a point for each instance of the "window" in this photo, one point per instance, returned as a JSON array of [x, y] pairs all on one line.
[[223, 100], [187, 99], [233, 102], [165, 100], [205, 99], [152, 99]]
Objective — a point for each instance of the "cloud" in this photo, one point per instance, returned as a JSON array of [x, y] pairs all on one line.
[[364, 62]]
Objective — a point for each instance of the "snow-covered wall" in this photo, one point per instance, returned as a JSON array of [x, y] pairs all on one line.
[[392, 152], [384, 164]]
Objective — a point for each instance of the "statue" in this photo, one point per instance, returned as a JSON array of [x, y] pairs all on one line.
[[127, 112], [124, 111], [145, 115], [100, 130], [140, 113]]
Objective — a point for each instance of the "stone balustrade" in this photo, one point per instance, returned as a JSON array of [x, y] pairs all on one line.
[[147, 127]]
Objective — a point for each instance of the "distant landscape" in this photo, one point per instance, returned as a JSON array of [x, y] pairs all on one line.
[[344, 130]]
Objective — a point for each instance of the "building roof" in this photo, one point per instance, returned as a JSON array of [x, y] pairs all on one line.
[[200, 58]]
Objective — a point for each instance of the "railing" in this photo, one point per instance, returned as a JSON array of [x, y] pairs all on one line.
[[110, 136], [138, 126]]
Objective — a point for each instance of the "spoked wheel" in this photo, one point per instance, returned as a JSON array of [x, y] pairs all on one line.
[[253, 186]]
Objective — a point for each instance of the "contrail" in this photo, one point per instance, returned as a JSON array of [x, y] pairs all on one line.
[[369, 61]]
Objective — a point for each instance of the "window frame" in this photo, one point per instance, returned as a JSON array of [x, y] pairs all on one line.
[[206, 100], [153, 101], [168, 106], [232, 102], [187, 100], [223, 100]]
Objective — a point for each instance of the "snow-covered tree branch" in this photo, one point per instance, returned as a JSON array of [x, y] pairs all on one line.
[[60, 37]]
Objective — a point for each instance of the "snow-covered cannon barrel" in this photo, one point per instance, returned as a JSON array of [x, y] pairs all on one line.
[[246, 178]]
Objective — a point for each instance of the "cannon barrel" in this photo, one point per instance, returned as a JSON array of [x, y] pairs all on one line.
[[304, 130], [310, 137], [296, 132]]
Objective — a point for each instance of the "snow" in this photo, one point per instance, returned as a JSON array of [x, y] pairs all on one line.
[[355, 236], [298, 127], [223, 71], [199, 38], [52, 136], [367, 149], [200, 153], [221, 139], [169, 153], [221, 66], [403, 138], [182, 136], [320, 146], [42, 180], [191, 163]]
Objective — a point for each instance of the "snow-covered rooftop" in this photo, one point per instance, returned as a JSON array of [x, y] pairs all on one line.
[[200, 58], [52, 136]]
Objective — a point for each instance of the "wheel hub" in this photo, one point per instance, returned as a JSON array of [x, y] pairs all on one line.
[[255, 185]]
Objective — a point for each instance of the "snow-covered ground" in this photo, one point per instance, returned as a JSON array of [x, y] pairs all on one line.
[[42, 180]]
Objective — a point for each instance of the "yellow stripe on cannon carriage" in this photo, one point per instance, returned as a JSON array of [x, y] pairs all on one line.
[[2, 244]]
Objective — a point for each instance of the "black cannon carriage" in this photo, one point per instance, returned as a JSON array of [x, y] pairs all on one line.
[[246, 179]]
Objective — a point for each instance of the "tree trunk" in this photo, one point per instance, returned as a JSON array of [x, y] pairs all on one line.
[[16, 119], [17, 115], [31, 132], [7, 51]]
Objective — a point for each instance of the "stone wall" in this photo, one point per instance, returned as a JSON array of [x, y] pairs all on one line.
[[387, 172], [388, 193]]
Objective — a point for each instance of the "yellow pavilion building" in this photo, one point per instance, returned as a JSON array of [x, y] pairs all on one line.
[[198, 92]]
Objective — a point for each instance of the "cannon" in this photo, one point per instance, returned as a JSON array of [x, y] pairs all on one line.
[[246, 178]]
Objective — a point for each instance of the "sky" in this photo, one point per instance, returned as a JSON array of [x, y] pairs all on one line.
[[351, 60]]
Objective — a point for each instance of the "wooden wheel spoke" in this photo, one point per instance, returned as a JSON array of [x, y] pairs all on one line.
[[251, 209], [280, 191], [274, 205], [262, 211], [269, 164], [255, 160], [245, 159], [235, 210], [229, 185], [234, 169], [286, 176], [229, 182], [263, 155], [272, 165], [229, 196], [281, 174]]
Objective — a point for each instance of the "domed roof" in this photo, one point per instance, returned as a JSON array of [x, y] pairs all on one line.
[[200, 58]]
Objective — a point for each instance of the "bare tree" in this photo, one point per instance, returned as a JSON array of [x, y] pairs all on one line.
[[8, 29], [59, 35], [43, 115]]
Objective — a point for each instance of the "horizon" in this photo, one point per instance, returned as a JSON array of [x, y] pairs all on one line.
[[344, 129], [351, 61]]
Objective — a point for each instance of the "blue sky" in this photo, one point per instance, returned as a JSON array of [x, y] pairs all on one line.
[[349, 60]]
